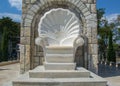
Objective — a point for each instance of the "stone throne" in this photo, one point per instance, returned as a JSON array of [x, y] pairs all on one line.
[[60, 36]]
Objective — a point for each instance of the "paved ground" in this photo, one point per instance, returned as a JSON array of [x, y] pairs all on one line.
[[9, 73], [110, 73]]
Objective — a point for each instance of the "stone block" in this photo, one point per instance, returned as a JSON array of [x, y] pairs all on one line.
[[89, 40], [94, 1], [33, 1], [75, 2], [92, 17], [93, 49], [36, 59], [27, 1], [91, 23], [93, 8], [25, 40], [27, 48], [90, 1], [22, 32], [41, 54], [94, 35], [85, 1], [42, 2], [86, 13], [27, 32], [29, 17], [27, 60], [31, 13], [33, 9], [22, 64], [26, 24], [36, 6], [95, 62], [28, 20], [23, 16], [82, 7], [84, 10], [22, 49], [88, 6], [89, 32], [79, 4]]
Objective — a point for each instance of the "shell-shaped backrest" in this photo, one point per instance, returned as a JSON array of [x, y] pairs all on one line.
[[60, 26]]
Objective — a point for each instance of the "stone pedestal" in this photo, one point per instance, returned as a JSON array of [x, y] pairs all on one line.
[[59, 73]]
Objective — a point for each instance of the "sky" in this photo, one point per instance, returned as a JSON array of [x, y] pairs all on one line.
[[12, 8], [112, 8]]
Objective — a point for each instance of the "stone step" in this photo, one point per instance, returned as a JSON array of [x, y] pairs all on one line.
[[93, 80], [59, 58], [59, 74], [59, 66], [59, 82], [59, 49]]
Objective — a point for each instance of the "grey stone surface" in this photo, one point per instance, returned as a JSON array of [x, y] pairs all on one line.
[[94, 80]]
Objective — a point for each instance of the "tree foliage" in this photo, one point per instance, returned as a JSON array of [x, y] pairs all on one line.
[[8, 30], [111, 53], [108, 36]]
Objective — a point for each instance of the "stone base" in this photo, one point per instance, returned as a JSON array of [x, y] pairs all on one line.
[[59, 66], [59, 82], [49, 79], [40, 72]]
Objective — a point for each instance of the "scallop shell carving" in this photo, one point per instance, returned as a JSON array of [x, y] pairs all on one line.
[[59, 25]]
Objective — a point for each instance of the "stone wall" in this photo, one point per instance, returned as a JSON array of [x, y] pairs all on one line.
[[32, 11]]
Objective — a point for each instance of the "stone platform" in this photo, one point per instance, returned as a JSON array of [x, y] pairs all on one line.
[[59, 73], [40, 77]]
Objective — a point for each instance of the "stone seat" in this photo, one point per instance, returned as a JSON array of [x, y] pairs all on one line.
[[59, 49], [59, 58]]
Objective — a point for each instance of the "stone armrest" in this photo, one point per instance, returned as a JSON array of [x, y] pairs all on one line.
[[41, 40], [79, 41]]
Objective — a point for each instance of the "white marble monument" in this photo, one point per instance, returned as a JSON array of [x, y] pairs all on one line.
[[58, 41], [59, 35]]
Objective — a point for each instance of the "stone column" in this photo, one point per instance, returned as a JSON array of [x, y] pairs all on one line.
[[25, 49]]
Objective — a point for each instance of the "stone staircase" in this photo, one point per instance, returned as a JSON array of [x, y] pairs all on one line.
[[59, 69]]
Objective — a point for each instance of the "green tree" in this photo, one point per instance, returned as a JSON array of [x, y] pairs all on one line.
[[9, 30], [105, 35], [102, 33], [4, 45], [111, 57]]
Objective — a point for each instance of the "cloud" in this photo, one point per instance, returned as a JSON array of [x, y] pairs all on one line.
[[112, 17], [15, 17], [16, 3]]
